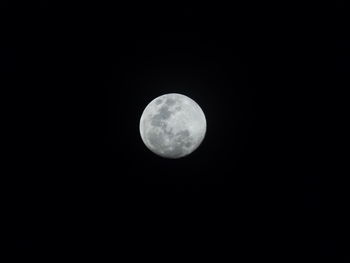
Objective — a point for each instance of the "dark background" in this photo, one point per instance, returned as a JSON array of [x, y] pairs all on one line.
[[81, 179]]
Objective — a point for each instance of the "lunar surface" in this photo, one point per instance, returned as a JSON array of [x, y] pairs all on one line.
[[172, 125]]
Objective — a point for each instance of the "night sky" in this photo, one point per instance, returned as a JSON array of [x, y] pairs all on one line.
[[83, 181]]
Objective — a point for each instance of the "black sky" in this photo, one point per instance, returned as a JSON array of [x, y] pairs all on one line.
[[82, 75]]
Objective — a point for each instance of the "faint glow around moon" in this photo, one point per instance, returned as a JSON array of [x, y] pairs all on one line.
[[172, 125]]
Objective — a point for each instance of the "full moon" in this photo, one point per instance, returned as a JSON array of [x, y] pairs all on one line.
[[172, 125]]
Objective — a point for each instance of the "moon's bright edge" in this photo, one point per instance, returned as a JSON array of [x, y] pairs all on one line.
[[172, 125]]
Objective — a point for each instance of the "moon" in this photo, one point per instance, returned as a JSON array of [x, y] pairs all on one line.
[[172, 126]]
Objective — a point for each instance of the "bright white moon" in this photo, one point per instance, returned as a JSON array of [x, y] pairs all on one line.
[[172, 125]]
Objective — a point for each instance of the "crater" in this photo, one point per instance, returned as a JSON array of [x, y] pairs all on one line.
[[175, 151], [181, 135], [170, 102], [155, 140], [158, 119], [188, 144], [164, 112], [159, 101]]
